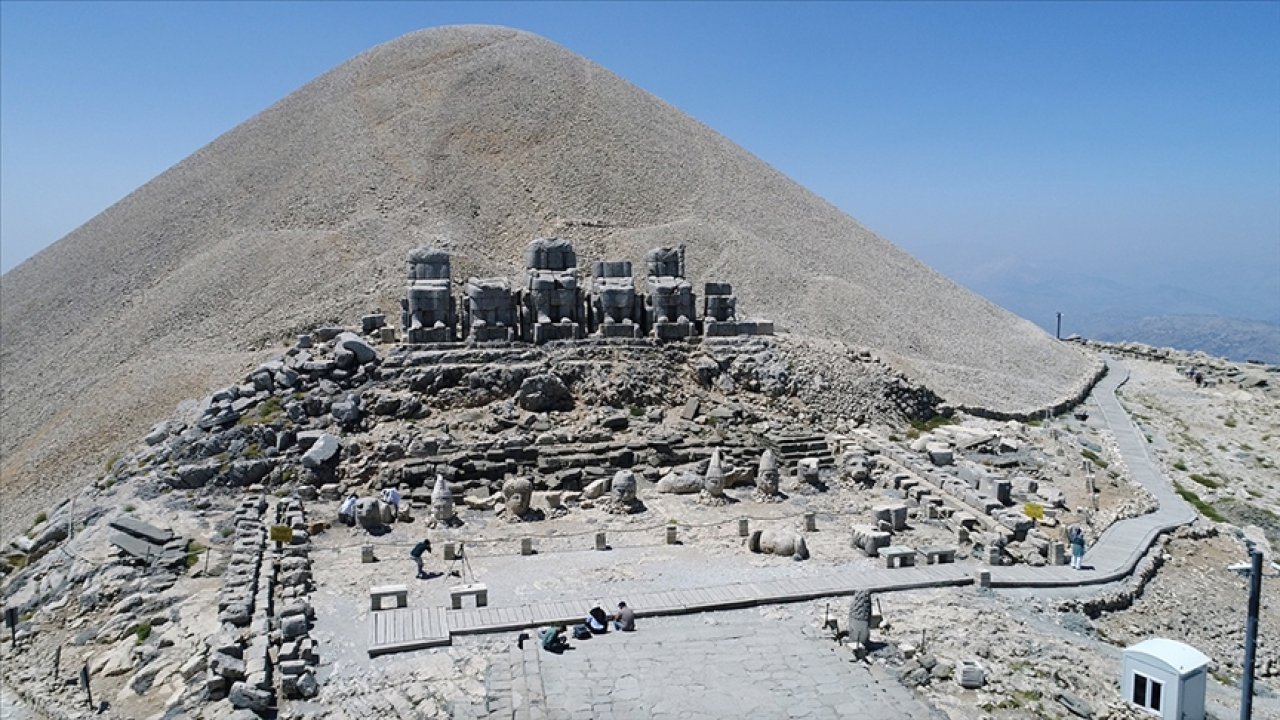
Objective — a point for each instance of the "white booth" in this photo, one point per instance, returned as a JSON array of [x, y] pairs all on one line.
[[1165, 678]]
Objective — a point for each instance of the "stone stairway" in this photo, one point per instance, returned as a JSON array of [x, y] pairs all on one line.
[[792, 447]]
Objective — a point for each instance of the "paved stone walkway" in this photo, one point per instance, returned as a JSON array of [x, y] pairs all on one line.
[[679, 669], [734, 664]]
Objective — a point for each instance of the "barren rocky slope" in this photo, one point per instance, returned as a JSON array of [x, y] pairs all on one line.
[[478, 138]]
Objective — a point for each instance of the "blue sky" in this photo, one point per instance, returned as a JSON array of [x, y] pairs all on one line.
[[1131, 143]]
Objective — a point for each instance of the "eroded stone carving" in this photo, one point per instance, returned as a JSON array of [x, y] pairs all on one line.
[[490, 311], [860, 619], [517, 494], [442, 502], [428, 313], [622, 498], [713, 483], [614, 309], [767, 479], [554, 299], [779, 542], [670, 306]]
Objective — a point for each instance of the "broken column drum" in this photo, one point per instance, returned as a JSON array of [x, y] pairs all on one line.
[[615, 311], [489, 310], [428, 313], [670, 307], [553, 306]]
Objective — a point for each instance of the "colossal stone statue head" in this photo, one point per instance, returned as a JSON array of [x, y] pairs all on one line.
[[713, 483], [441, 501], [767, 474], [624, 486], [517, 495]]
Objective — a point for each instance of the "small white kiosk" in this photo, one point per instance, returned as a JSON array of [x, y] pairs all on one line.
[[1166, 678]]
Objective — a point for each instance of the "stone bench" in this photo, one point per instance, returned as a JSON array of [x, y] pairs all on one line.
[[378, 594], [898, 556], [479, 591], [939, 555]]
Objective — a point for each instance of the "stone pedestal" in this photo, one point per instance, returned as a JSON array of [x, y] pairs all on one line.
[[672, 535], [810, 522], [601, 542], [743, 527], [526, 546]]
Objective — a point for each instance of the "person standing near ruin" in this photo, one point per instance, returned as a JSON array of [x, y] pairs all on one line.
[[1077, 548], [417, 552]]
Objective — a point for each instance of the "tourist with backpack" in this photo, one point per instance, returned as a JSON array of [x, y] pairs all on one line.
[[1077, 548]]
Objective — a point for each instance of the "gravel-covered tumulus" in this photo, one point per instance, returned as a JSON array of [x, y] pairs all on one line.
[[479, 139]]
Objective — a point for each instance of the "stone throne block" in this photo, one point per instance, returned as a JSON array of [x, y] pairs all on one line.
[[490, 311], [428, 312], [720, 314], [615, 311], [670, 307], [553, 305]]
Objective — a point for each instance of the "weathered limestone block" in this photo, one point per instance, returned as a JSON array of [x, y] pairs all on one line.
[[243, 695], [869, 540], [680, 483], [894, 514], [543, 393], [324, 451]]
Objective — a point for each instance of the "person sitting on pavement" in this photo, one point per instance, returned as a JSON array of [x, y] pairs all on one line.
[[624, 619], [347, 510], [552, 639], [597, 621]]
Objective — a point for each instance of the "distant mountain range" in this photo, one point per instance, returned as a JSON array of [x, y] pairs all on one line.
[[1107, 309]]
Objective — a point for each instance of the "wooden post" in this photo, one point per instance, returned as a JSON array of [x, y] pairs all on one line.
[[744, 529]]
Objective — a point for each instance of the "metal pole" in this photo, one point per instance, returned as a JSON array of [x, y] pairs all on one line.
[[1251, 636], [1058, 333]]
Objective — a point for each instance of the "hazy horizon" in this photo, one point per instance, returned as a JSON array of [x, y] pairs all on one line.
[[1065, 156]]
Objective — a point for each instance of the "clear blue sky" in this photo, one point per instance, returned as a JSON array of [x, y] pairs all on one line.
[[1139, 143]]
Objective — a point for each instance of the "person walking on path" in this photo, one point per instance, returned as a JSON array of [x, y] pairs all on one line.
[[1077, 548], [625, 619], [417, 552]]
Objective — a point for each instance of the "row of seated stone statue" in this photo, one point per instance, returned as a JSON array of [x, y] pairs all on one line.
[[552, 306]]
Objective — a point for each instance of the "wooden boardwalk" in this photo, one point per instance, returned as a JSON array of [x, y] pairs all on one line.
[[1112, 557], [404, 629]]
